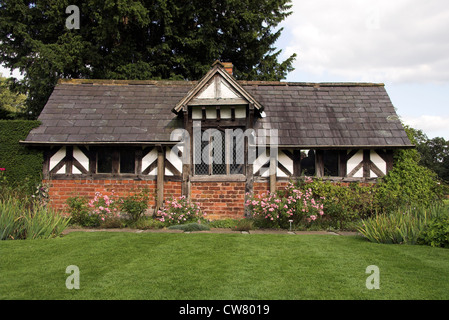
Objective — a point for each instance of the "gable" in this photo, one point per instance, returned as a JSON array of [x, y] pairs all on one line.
[[218, 90], [217, 87]]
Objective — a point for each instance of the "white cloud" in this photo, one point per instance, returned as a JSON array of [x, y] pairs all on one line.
[[432, 126], [384, 41]]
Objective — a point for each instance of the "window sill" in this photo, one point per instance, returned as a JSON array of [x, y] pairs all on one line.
[[219, 178]]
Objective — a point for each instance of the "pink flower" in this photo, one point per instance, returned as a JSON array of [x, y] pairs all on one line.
[[313, 217], [2, 169]]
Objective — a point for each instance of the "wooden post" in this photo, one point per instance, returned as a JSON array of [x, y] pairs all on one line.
[[138, 161], [273, 159], [187, 156], [249, 155], [69, 161], [366, 163], [342, 160], [160, 177]]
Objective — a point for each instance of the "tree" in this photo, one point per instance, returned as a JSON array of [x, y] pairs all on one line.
[[139, 39], [432, 153], [11, 104]]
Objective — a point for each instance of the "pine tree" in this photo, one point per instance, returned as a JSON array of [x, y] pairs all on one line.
[[138, 39]]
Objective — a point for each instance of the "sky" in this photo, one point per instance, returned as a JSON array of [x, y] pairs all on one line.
[[401, 43]]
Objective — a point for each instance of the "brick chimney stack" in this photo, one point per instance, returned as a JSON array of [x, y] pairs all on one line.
[[228, 67]]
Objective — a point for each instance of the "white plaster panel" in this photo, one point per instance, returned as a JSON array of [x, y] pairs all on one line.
[[82, 159], [56, 158], [174, 160], [240, 112], [259, 162], [197, 113], [286, 162], [379, 162], [353, 162], [149, 158], [227, 92], [225, 112], [208, 92]]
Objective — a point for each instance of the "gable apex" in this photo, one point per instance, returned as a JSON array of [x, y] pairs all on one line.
[[218, 86]]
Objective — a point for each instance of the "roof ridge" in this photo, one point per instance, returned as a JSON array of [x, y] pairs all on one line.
[[311, 84], [241, 82], [114, 82]]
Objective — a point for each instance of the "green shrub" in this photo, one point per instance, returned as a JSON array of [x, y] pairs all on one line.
[[23, 164], [135, 205], [342, 203], [436, 234], [145, 223], [408, 184], [244, 224], [400, 226], [18, 221], [80, 213], [223, 223], [190, 227]]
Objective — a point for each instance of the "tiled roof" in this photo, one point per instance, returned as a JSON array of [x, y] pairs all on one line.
[[306, 114], [333, 114]]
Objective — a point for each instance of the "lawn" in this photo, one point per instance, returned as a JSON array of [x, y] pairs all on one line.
[[199, 266]]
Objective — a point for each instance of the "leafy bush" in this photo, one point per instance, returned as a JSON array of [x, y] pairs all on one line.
[[274, 210], [180, 210], [342, 203], [190, 227], [223, 223], [436, 234], [400, 226], [23, 164], [408, 184], [17, 221], [79, 212], [135, 205], [146, 223], [244, 224]]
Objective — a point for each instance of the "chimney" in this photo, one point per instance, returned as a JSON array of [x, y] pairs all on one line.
[[228, 67]]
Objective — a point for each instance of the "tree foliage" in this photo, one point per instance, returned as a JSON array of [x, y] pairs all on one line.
[[432, 153], [139, 39], [11, 104]]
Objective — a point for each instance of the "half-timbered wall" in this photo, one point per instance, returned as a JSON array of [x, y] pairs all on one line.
[[72, 170]]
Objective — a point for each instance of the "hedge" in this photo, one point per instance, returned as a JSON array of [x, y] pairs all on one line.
[[23, 165]]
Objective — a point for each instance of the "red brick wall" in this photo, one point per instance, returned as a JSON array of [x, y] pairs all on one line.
[[264, 187], [220, 199], [61, 190]]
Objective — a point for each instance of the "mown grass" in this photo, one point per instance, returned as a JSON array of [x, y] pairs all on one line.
[[194, 266]]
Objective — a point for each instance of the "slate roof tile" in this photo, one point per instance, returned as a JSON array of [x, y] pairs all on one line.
[[305, 114]]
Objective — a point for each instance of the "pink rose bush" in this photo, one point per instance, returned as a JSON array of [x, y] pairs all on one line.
[[292, 203], [103, 206], [180, 210]]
